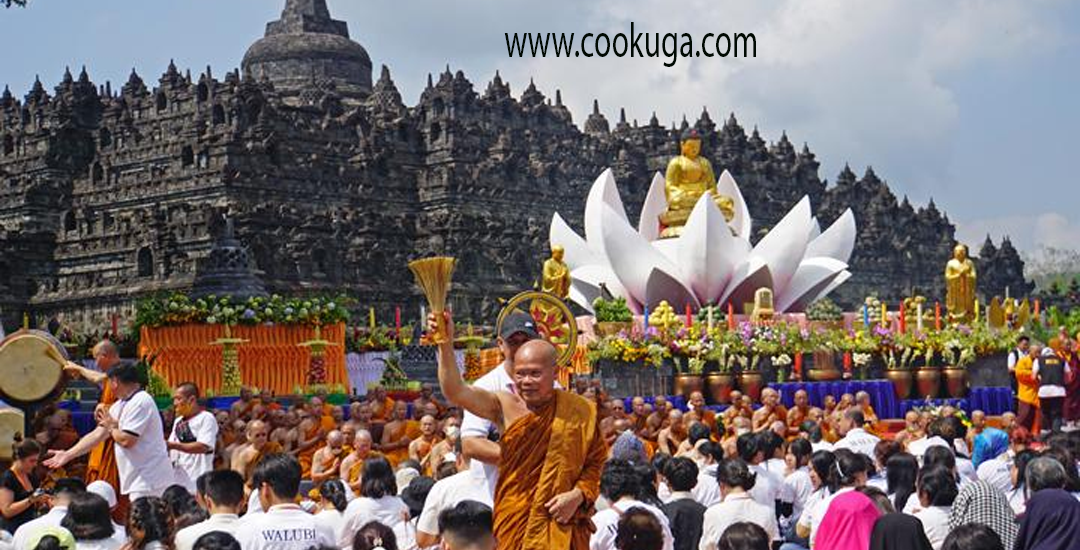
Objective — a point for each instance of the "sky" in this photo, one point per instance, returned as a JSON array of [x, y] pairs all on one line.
[[969, 102]]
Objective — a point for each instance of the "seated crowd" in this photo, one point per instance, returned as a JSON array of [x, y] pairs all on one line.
[[389, 474]]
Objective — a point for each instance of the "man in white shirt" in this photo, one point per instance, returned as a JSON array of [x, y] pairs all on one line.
[[855, 438], [138, 437], [193, 438], [467, 484], [284, 525], [62, 493], [221, 492], [518, 327]]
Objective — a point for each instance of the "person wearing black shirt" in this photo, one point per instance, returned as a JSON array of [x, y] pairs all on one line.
[[18, 485], [685, 515]]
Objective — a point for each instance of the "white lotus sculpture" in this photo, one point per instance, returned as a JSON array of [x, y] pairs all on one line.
[[711, 262]]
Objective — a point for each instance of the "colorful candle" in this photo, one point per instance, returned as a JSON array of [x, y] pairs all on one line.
[[371, 317], [730, 316], [797, 369], [866, 315], [847, 361], [708, 313], [115, 325], [937, 315], [1036, 308], [397, 322], [884, 315], [645, 316], [976, 310], [918, 317], [689, 317], [25, 320]]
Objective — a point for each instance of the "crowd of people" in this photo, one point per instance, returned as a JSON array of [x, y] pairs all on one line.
[[512, 461]]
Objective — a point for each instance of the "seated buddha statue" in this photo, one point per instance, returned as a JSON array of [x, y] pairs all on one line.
[[689, 175]]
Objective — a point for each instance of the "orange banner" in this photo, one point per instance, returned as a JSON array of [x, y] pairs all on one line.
[[271, 358]]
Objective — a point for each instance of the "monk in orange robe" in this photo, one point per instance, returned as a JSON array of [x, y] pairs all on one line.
[[102, 462], [552, 450], [311, 438], [396, 435]]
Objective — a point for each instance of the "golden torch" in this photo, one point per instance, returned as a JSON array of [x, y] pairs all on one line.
[[433, 277]]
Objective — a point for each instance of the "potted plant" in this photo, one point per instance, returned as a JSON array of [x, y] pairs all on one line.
[[825, 344], [825, 314], [928, 376], [612, 316], [721, 382], [957, 356], [688, 378]]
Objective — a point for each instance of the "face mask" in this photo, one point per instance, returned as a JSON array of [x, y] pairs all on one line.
[[452, 431]]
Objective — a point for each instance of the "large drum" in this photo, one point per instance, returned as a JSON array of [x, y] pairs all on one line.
[[31, 367]]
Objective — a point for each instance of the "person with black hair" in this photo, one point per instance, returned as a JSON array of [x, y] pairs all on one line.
[[59, 500], [973, 536], [937, 491], [853, 435], [467, 525], [135, 426], [823, 477], [150, 525], [685, 515], [706, 491], [183, 507], [216, 540], [659, 463], [331, 506], [622, 486], [847, 472], [222, 494], [1017, 495], [378, 501], [797, 486], [52, 538], [744, 536], [736, 480], [901, 473], [638, 529], [1065, 458], [466, 484], [88, 520], [19, 499], [374, 536], [284, 525], [752, 448]]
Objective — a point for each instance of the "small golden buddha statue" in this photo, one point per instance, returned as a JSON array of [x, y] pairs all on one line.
[[763, 306], [556, 276], [960, 286], [689, 175]]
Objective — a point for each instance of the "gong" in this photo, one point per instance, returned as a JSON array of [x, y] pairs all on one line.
[[31, 367]]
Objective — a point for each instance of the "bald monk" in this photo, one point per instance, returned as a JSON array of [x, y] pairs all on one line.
[[420, 447], [672, 436], [381, 404], [395, 437], [247, 457], [309, 437], [771, 410], [352, 467], [705, 416], [798, 413], [102, 462], [242, 407], [325, 413], [862, 401], [327, 461], [552, 452]]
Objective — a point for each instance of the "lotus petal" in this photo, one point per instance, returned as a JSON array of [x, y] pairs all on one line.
[[812, 276], [741, 222], [838, 241], [785, 245], [577, 251], [815, 229], [655, 204], [707, 251], [631, 257], [839, 280], [585, 286], [670, 249], [602, 193], [747, 278], [662, 286]]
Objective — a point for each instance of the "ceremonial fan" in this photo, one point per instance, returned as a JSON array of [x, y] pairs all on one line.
[[433, 277], [554, 321]]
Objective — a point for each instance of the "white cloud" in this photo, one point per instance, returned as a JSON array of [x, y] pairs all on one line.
[[1027, 233]]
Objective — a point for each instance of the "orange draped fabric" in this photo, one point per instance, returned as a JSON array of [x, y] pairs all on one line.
[[528, 479], [102, 463], [270, 359]]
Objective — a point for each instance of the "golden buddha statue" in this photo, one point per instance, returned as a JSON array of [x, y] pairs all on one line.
[[960, 286], [763, 306], [689, 175], [556, 276]]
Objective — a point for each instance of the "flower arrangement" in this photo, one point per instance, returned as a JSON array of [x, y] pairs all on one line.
[[612, 311], [629, 347], [824, 310], [179, 308]]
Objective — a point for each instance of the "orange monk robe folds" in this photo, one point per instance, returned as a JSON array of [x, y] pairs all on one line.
[[102, 463], [528, 479]]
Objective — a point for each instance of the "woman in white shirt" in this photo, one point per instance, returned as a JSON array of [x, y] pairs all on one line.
[[798, 486], [1018, 495], [937, 491], [332, 505], [736, 505], [378, 501], [902, 470], [848, 473]]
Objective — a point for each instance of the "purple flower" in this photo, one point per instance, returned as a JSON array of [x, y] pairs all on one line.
[[249, 314]]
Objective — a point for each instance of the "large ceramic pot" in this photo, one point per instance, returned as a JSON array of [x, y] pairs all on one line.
[[686, 384], [928, 382], [902, 380], [751, 383], [612, 328], [720, 386], [955, 381]]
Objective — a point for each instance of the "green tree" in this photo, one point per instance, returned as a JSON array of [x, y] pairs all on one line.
[[9, 3]]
